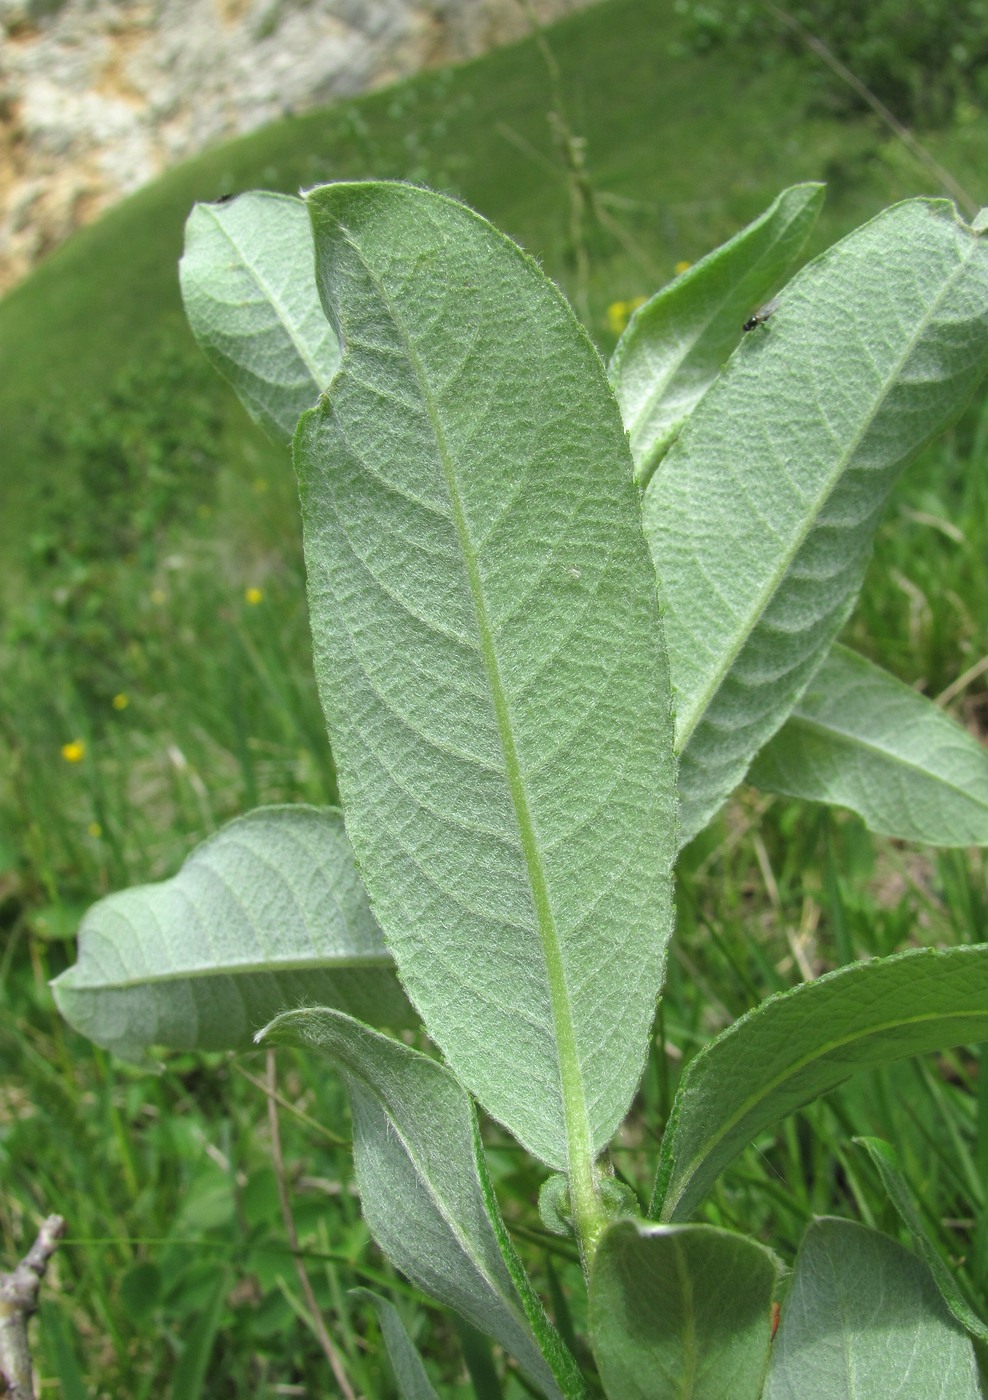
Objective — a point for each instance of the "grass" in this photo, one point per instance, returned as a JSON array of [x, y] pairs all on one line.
[[155, 625]]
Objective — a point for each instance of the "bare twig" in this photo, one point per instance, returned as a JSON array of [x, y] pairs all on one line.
[[18, 1301], [315, 1316]]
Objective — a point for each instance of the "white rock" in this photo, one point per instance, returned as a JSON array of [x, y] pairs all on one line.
[[97, 97]]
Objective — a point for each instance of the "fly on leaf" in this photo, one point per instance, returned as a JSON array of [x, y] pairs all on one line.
[[759, 317]]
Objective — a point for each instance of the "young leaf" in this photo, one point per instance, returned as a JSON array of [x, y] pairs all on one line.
[[859, 738], [268, 913], [681, 1310], [246, 277], [490, 658], [863, 1319], [802, 1043], [761, 516], [884, 1156], [413, 1383], [677, 343], [425, 1192]]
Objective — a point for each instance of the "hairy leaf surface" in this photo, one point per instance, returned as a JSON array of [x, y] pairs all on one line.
[[269, 913], [489, 653], [676, 344], [246, 278], [859, 738], [761, 516], [863, 1320], [800, 1044], [425, 1192], [681, 1311]]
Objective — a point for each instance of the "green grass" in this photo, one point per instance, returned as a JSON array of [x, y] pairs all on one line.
[[140, 507]]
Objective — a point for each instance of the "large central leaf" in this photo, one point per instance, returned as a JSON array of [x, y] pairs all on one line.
[[490, 658]]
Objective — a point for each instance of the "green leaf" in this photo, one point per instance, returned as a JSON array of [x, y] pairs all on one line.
[[490, 658], [413, 1383], [681, 1312], [761, 516], [425, 1191], [859, 738], [802, 1043], [863, 1321], [886, 1161], [246, 277], [676, 344], [268, 913]]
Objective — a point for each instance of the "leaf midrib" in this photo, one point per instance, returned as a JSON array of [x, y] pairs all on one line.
[[693, 716], [575, 1113], [748, 1105], [268, 966]]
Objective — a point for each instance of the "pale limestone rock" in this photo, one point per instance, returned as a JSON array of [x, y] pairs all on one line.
[[97, 97]]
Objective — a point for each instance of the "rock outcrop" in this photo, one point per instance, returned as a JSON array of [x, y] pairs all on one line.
[[97, 97]]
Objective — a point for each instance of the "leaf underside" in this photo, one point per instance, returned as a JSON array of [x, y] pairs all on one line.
[[761, 516], [862, 1320], [425, 1192], [803, 1043], [861, 739], [677, 342], [246, 277], [489, 653], [269, 913]]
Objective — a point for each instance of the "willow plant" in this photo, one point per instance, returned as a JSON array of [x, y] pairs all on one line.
[[559, 613]]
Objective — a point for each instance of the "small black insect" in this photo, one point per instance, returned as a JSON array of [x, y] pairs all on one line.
[[759, 317], [224, 199]]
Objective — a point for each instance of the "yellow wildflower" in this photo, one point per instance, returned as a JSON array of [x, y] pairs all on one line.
[[121, 701], [617, 316], [74, 751], [682, 267], [619, 313], [95, 830], [253, 596]]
